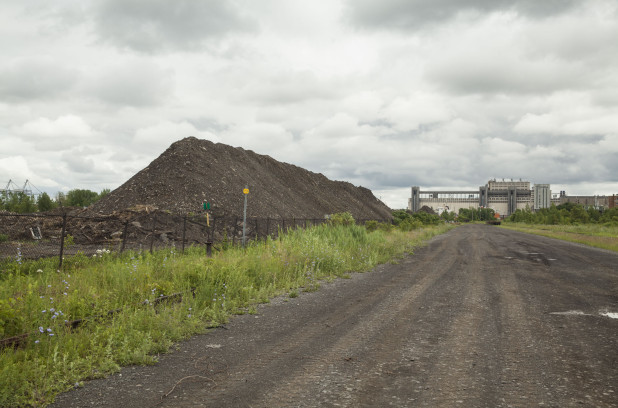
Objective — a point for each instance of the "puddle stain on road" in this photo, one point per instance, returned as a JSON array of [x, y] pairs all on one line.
[[611, 315]]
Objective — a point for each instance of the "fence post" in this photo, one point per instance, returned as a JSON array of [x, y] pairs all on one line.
[[64, 228], [184, 232], [154, 224], [124, 236]]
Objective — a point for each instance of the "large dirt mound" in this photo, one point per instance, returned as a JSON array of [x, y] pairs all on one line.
[[192, 171]]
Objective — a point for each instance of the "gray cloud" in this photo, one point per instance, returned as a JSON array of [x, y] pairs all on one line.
[[161, 25], [416, 14], [34, 78], [289, 88], [134, 83], [473, 73]]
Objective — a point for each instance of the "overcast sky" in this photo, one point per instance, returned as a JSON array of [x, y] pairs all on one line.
[[386, 94]]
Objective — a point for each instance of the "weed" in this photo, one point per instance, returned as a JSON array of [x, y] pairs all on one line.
[[37, 299], [600, 236]]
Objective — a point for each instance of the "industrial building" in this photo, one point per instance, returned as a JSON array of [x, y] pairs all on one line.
[[598, 202], [504, 197]]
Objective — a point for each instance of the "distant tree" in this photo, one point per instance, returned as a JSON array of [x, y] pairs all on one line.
[[19, 203], [60, 199], [45, 203], [610, 216], [566, 206], [579, 215], [593, 214], [81, 198], [103, 193]]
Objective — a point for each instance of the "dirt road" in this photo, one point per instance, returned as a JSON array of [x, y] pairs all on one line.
[[480, 317]]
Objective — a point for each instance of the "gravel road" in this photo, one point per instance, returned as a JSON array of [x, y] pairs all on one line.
[[480, 317]]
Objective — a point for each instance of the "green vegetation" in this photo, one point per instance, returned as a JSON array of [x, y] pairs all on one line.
[[37, 299], [407, 221], [476, 214], [596, 235], [570, 222], [81, 198], [45, 203], [566, 214], [344, 218], [24, 203], [17, 202]]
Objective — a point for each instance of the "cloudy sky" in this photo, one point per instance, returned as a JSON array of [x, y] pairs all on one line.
[[386, 94]]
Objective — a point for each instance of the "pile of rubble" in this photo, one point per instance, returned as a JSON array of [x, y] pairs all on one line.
[[193, 171]]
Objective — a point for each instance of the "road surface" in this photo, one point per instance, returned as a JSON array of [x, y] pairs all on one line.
[[480, 317]]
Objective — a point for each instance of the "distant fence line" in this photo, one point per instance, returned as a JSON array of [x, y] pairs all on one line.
[[33, 236]]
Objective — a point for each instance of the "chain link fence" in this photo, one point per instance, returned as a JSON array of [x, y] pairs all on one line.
[[34, 236]]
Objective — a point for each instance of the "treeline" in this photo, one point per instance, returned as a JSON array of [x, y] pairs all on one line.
[[407, 220], [23, 203], [565, 214]]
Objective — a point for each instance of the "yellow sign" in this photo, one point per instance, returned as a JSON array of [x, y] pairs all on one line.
[[245, 191]]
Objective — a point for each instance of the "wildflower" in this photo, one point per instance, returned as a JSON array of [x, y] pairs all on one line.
[[42, 330], [52, 310], [36, 342], [49, 286], [51, 334], [65, 294], [39, 271], [49, 330], [43, 311]]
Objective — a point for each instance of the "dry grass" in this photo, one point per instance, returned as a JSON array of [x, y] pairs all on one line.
[[598, 236]]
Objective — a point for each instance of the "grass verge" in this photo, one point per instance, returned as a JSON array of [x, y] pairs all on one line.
[[37, 299], [595, 235]]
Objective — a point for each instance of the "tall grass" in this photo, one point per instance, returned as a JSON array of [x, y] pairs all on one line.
[[36, 298], [596, 235]]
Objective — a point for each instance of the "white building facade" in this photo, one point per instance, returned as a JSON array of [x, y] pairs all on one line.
[[504, 197]]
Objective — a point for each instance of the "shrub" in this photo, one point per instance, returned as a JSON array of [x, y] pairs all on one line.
[[410, 224], [344, 218], [371, 226]]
